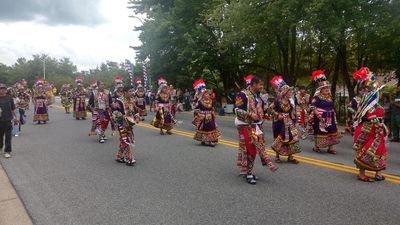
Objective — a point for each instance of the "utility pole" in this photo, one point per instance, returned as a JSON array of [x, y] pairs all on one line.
[[44, 69]]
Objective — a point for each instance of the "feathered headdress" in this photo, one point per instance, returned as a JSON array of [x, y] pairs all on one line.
[[39, 82], [79, 80], [248, 79], [319, 78], [119, 81], [199, 86], [365, 78], [94, 83], [279, 85], [138, 81], [162, 81]]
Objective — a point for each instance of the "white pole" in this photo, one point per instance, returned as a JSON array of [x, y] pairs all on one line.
[[44, 69]]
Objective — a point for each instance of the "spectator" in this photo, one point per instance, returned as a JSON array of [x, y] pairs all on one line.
[[16, 127], [7, 114], [186, 100], [388, 111], [231, 96], [213, 97], [395, 122]]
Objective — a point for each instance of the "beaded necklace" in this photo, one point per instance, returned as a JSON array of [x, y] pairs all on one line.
[[285, 105], [327, 98], [206, 103]]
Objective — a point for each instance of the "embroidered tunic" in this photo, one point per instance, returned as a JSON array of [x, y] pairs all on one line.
[[286, 141], [325, 130]]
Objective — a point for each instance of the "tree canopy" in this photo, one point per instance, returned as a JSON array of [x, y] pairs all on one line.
[[223, 40]]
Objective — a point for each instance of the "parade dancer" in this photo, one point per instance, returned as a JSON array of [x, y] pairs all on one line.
[[66, 96], [119, 87], [323, 115], [24, 93], [249, 118], [125, 117], [140, 99], [302, 101], [286, 140], [40, 102], [95, 121], [100, 102], [371, 132], [207, 131], [163, 119], [80, 99]]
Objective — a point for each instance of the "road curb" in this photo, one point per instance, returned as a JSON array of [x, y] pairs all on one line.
[[12, 210]]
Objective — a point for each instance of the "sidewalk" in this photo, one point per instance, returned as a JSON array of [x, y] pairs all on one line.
[[12, 211]]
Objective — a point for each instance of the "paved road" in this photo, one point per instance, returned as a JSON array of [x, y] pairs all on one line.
[[65, 177]]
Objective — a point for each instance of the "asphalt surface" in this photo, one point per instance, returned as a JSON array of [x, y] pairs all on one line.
[[65, 177]]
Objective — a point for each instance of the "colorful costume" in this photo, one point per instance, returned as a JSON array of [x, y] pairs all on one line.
[[286, 141], [100, 102], [79, 100], [163, 119], [370, 133], [302, 102], [140, 99], [206, 127], [119, 86], [324, 119], [125, 118], [66, 97], [40, 102], [250, 132]]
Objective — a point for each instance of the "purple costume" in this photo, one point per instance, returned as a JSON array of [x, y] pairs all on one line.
[[325, 130], [206, 126]]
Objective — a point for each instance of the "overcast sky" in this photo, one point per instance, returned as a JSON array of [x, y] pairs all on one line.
[[89, 32]]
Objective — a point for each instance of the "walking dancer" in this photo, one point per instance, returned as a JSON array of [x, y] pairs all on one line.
[[326, 134], [249, 118], [302, 102], [140, 99], [95, 121], [163, 119], [119, 87], [286, 140], [80, 100], [207, 131], [125, 117], [66, 96], [100, 102], [40, 102], [371, 132]]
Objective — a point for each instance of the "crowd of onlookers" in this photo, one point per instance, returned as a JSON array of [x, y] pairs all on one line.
[[391, 104]]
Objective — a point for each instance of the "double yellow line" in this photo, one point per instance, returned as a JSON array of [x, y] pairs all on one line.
[[308, 160]]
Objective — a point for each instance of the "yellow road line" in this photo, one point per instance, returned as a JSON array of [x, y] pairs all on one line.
[[308, 160]]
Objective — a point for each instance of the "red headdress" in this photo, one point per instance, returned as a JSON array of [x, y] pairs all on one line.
[[119, 81], [248, 79], [94, 83], [138, 81], [79, 80], [162, 81], [199, 85], [319, 77], [365, 78]]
